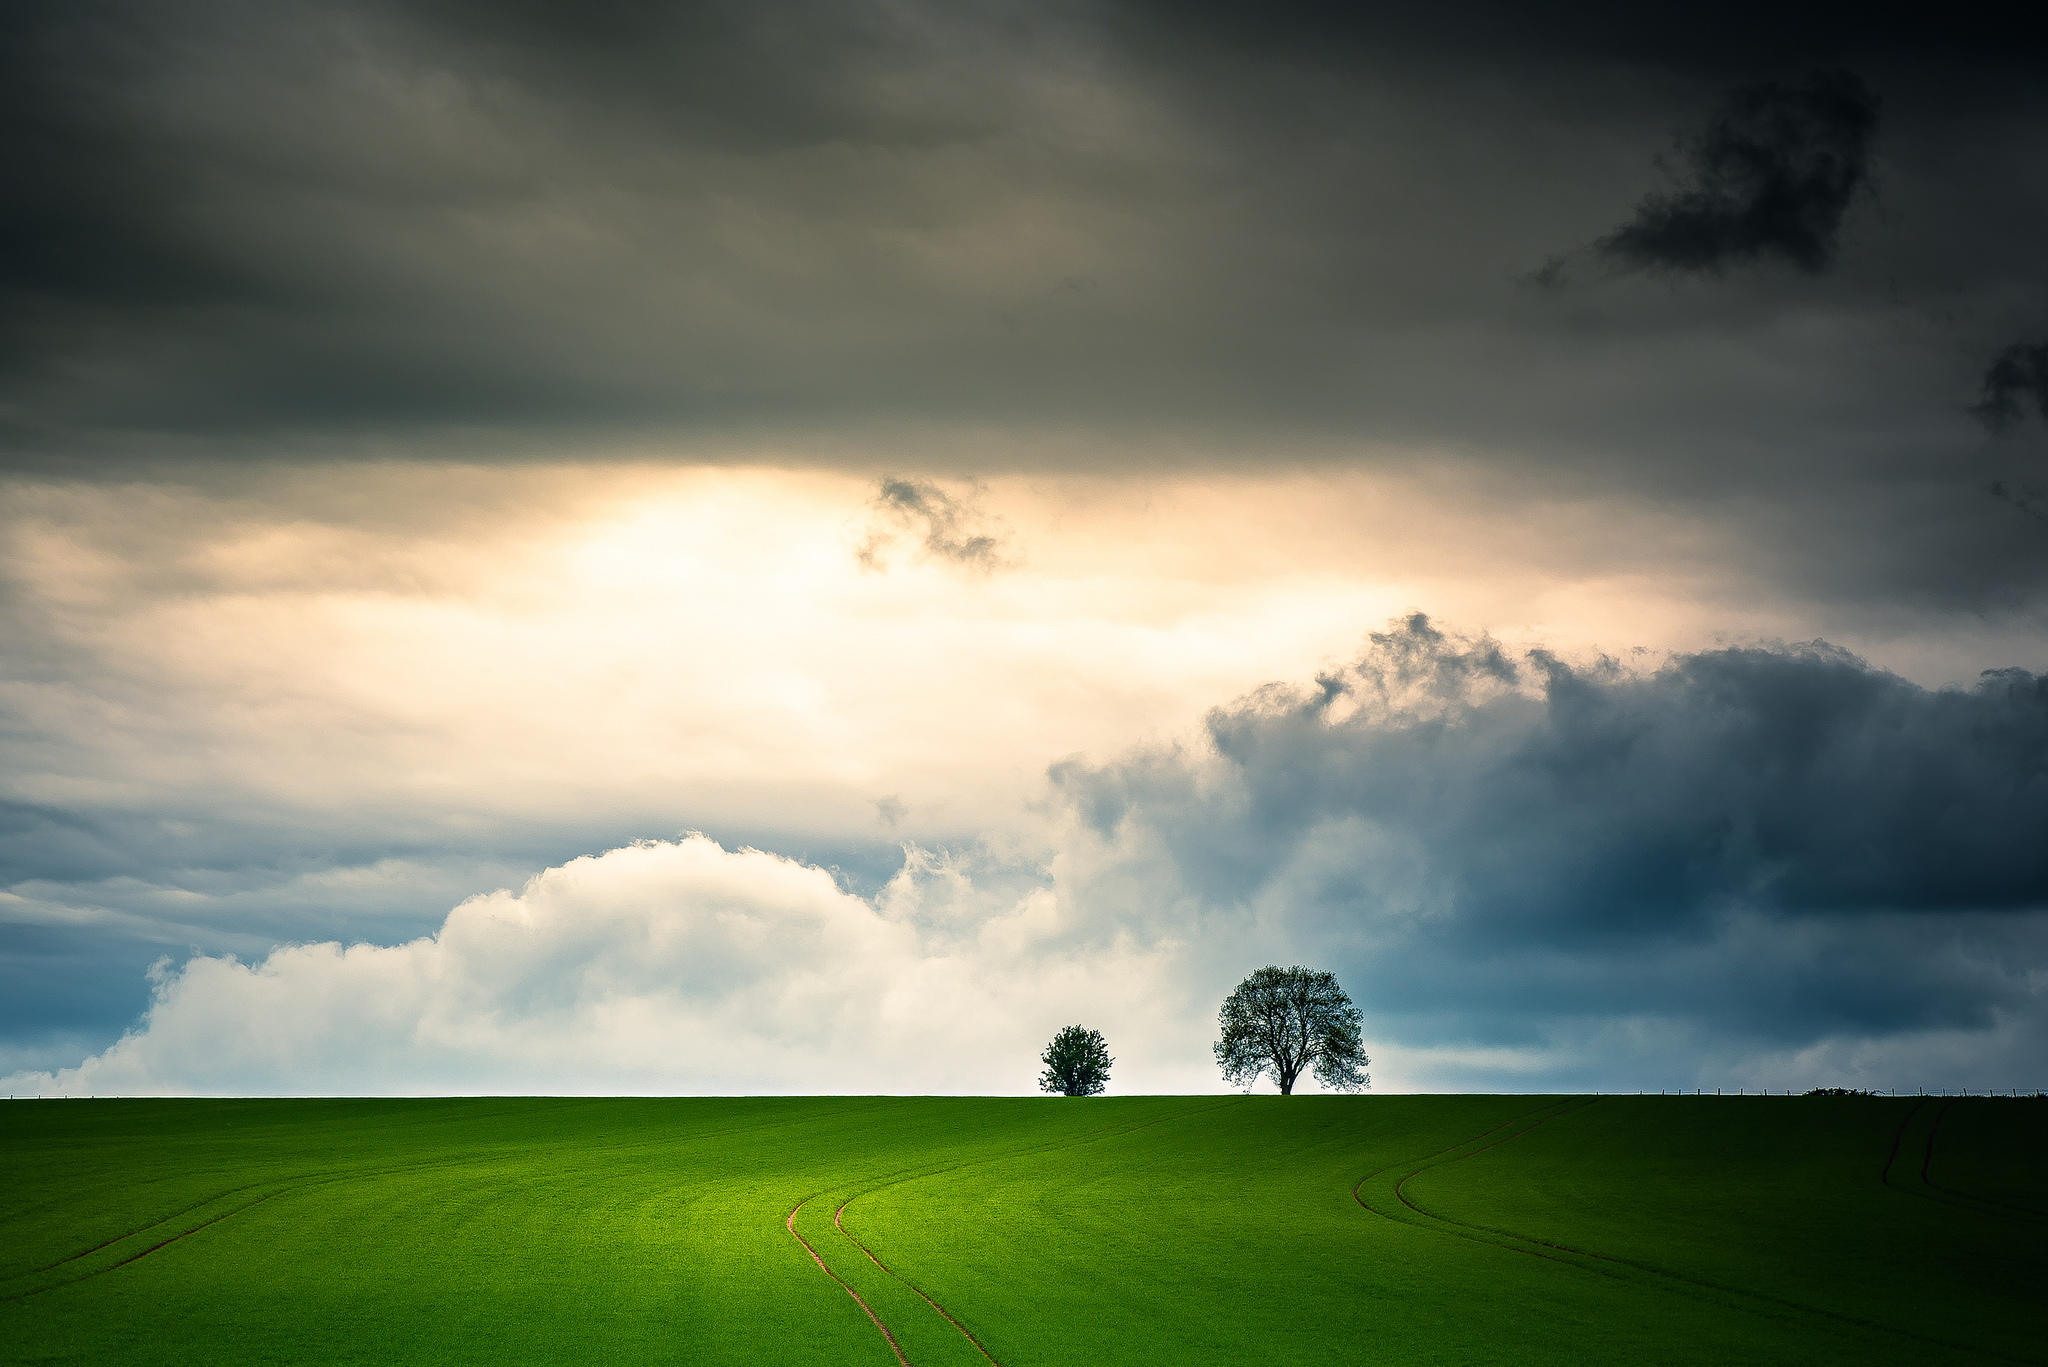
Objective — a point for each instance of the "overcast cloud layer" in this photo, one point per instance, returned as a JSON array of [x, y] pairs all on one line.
[[1039, 237], [445, 442]]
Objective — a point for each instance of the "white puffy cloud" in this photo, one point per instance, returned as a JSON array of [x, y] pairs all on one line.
[[670, 966]]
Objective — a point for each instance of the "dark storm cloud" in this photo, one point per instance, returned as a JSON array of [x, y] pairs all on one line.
[[325, 226], [1778, 843], [1772, 175], [2016, 377], [340, 227], [941, 525], [1736, 36]]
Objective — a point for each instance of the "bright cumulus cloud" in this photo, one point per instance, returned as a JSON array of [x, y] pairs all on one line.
[[662, 966]]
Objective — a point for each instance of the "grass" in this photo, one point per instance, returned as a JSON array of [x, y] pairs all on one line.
[[1454, 1230]]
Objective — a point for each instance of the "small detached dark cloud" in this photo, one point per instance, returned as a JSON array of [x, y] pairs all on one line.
[[940, 526], [1758, 851], [2016, 377], [1772, 176]]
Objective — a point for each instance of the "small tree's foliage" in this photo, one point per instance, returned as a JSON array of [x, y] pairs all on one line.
[[1287, 1021], [1076, 1063]]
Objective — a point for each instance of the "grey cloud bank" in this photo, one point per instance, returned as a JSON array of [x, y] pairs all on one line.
[[1768, 853]]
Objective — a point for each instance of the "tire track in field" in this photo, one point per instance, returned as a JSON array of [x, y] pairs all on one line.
[[1923, 1185], [1401, 1192], [134, 1257], [1477, 1233], [790, 1224], [916, 1173], [144, 1227], [965, 1333], [1917, 1183], [1927, 1149], [1357, 1188], [1737, 1297], [1963, 1199], [288, 1186], [1884, 1175]]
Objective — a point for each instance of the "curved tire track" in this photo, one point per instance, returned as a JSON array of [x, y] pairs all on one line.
[[789, 1223], [916, 1173], [1479, 1233], [965, 1333], [1923, 1185], [1963, 1199], [1358, 1187]]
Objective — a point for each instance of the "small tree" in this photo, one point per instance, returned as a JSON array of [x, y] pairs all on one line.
[[1287, 1020], [1076, 1063]]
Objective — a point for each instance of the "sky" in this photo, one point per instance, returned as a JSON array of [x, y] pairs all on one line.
[[723, 548]]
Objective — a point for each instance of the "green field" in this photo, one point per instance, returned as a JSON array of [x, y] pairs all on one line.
[[1455, 1230]]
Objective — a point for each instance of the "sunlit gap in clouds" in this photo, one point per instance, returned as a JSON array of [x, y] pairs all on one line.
[[700, 642]]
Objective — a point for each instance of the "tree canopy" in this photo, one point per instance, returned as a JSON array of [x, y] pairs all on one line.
[[1286, 1021], [1076, 1063]]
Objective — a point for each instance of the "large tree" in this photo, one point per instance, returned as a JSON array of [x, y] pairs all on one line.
[[1286, 1021], [1076, 1063]]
